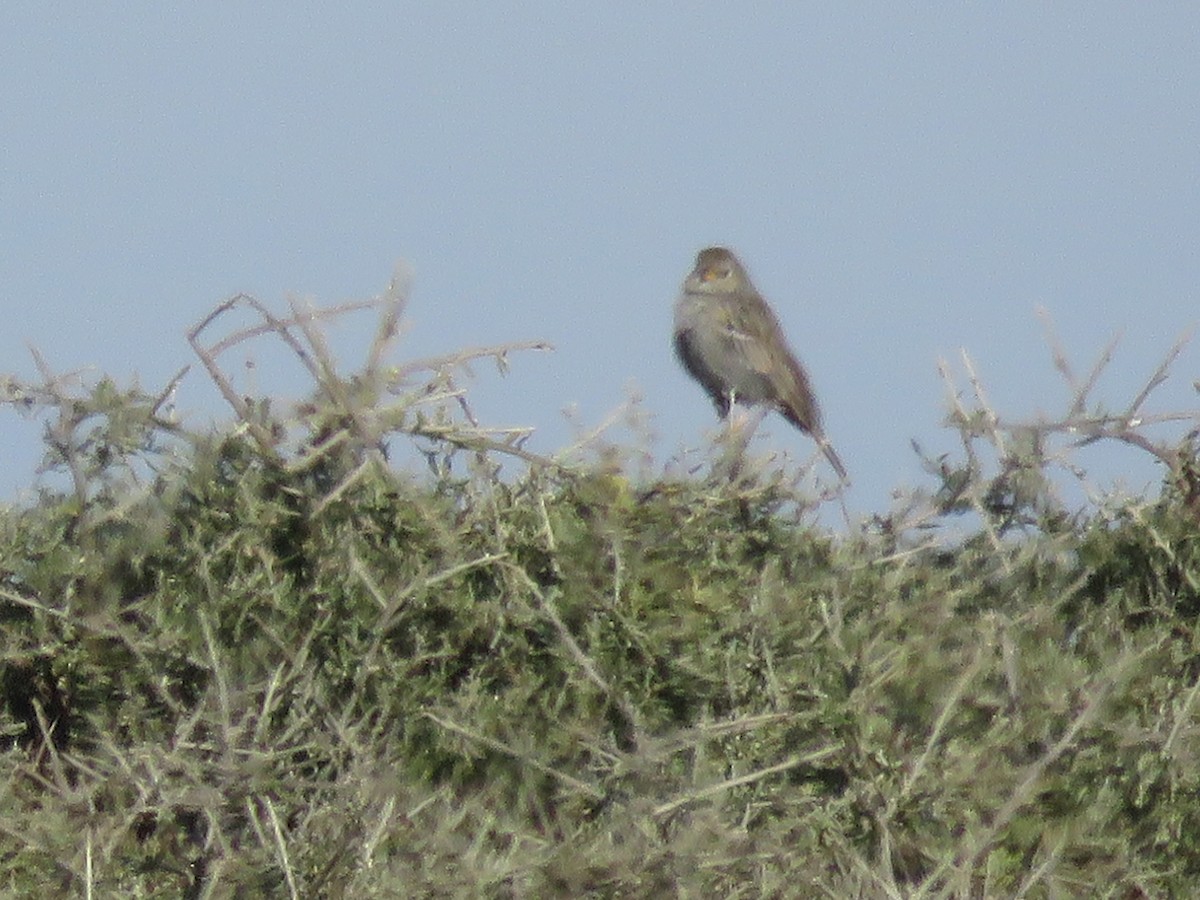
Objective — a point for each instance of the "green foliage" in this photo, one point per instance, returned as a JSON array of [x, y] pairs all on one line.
[[283, 670], [565, 684]]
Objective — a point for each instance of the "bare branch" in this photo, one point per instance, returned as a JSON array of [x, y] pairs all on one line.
[[1160, 374]]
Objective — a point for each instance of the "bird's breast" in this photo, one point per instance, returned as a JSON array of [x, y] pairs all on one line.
[[694, 311]]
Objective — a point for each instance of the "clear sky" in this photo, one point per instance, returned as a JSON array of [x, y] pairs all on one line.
[[902, 179]]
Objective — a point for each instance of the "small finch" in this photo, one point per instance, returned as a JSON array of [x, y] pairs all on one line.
[[729, 340]]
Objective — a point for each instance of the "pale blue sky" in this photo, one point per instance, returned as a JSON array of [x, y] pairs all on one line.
[[902, 179]]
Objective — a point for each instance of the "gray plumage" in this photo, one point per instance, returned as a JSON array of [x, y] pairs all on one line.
[[729, 340]]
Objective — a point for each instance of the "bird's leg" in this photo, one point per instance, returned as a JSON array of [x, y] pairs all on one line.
[[740, 426]]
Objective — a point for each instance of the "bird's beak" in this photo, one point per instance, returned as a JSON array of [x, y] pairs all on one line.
[[709, 274]]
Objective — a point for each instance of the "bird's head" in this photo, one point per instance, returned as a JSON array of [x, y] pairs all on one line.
[[717, 271]]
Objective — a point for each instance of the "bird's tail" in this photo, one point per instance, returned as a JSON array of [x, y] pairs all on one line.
[[834, 459], [805, 415]]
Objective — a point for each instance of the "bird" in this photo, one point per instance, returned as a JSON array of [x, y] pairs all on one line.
[[729, 340]]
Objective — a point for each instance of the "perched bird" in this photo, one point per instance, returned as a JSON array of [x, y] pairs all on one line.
[[729, 340]]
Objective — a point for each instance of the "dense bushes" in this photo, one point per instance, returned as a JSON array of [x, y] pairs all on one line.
[[273, 666]]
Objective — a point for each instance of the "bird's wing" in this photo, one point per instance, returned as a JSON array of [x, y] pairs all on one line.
[[766, 350], [753, 327]]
